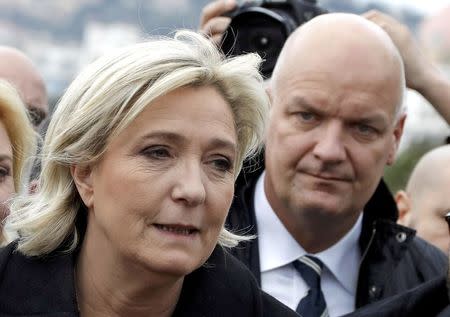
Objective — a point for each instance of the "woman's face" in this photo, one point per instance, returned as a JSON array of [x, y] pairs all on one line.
[[6, 171], [159, 196]]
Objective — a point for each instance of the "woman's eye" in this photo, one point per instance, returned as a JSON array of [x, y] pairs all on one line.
[[4, 172], [222, 164], [156, 152]]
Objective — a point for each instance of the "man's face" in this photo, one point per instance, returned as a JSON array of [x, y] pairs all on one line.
[[331, 132], [429, 210], [21, 73], [34, 96]]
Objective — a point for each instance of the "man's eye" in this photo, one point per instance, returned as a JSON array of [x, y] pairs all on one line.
[[36, 116], [306, 116], [365, 129]]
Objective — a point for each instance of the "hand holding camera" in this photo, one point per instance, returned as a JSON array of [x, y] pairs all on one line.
[[256, 26]]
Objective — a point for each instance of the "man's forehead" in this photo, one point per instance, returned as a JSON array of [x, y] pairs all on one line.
[[339, 42], [28, 83]]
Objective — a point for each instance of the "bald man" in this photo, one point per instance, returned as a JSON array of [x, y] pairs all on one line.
[[425, 202], [19, 70], [327, 239]]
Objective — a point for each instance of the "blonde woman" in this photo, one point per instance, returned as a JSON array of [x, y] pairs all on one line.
[[138, 172], [17, 144]]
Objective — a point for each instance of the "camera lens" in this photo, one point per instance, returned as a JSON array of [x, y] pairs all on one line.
[[256, 32], [263, 26], [261, 42]]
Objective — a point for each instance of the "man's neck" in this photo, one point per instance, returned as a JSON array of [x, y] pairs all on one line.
[[315, 230], [315, 234]]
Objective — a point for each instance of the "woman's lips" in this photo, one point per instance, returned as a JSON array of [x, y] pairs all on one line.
[[185, 230]]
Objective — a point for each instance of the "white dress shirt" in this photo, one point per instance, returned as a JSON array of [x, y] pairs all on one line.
[[278, 249]]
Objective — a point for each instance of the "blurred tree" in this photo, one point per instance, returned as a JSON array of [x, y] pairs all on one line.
[[397, 175]]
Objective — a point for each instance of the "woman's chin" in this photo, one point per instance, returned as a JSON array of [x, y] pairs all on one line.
[[176, 263]]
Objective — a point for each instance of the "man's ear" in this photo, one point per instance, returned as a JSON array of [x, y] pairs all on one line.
[[82, 177], [397, 135], [404, 208]]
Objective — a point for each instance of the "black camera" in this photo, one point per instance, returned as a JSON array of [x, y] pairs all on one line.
[[263, 26]]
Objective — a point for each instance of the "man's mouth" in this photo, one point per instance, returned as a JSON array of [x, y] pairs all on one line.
[[177, 229], [329, 177]]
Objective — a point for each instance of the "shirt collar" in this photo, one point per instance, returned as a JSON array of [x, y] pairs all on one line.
[[278, 248], [343, 258]]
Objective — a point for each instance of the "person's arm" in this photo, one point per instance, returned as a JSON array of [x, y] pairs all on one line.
[[421, 75], [212, 21], [437, 92]]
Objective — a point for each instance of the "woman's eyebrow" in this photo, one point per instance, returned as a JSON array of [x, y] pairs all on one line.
[[178, 139], [5, 157]]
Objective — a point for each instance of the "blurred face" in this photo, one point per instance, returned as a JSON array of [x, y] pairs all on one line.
[[30, 85], [429, 212], [331, 132], [6, 171], [35, 98], [160, 195]]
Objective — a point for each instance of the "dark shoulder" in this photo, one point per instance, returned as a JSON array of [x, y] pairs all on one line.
[[5, 253], [269, 305], [31, 285], [272, 307], [427, 299], [429, 260], [223, 286]]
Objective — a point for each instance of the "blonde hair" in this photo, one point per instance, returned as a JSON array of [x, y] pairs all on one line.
[[104, 99], [14, 117]]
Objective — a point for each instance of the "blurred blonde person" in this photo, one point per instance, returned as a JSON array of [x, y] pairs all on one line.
[[17, 144]]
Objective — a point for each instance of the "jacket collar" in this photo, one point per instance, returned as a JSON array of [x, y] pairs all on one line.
[[380, 207]]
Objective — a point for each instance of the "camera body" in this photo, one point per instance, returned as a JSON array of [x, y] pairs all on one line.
[[263, 26]]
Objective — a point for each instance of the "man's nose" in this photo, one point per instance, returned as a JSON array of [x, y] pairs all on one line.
[[329, 146], [189, 188]]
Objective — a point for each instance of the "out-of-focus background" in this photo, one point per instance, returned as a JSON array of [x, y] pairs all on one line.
[[63, 36]]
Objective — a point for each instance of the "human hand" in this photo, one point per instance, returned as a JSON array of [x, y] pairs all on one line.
[[212, 23], [421, 75]]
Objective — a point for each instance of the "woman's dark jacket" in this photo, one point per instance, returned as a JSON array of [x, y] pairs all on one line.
[[394, 260], [45, 287]]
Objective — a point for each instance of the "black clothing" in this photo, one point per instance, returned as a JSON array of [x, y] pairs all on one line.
[[429, 299], [45, 287], [393, 259]]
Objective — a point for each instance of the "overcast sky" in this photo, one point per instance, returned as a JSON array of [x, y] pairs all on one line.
[[427, 6]]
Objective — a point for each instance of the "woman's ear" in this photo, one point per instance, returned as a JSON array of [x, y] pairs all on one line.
[[82, 177], [404, 208]]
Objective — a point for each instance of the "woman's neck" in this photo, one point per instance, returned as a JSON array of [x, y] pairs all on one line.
[[106, 286]]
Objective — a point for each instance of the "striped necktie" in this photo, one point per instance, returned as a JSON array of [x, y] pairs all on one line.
[[313, 304]]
